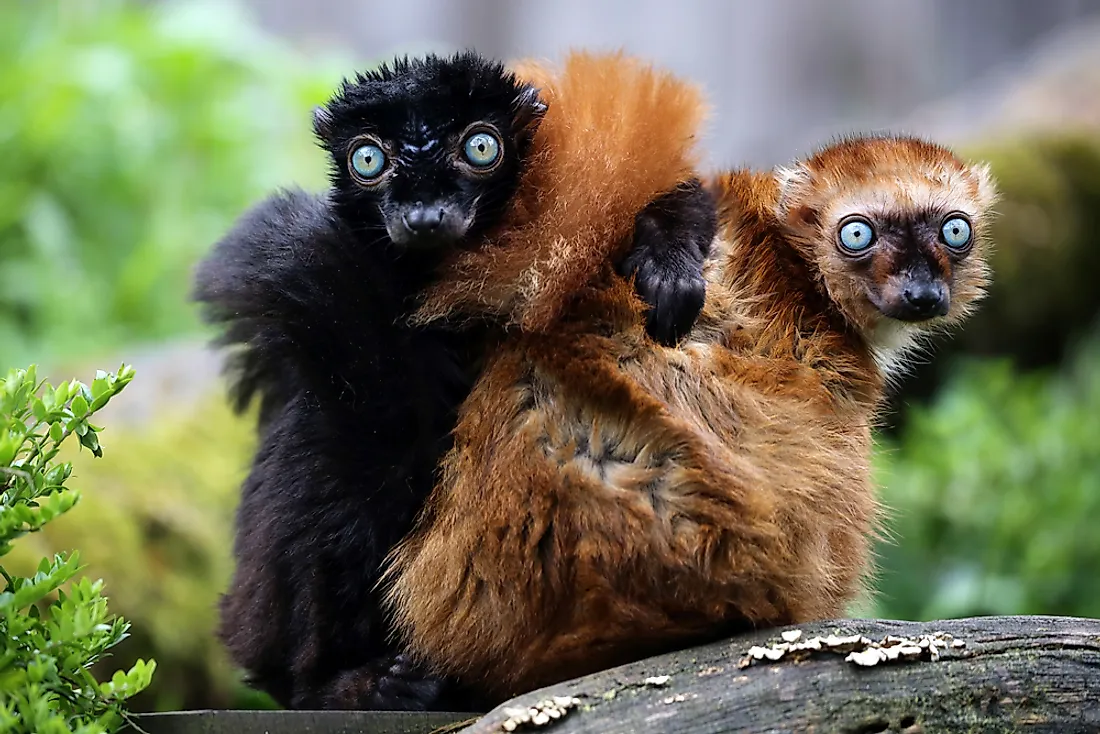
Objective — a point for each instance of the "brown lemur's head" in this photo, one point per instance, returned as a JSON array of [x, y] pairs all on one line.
[[897, 228]]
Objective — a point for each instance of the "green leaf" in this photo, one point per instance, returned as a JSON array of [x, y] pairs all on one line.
[[8, 447], [80, 406], [49, 577], [100, 386], [91, 441], [127, 684], [56, 431]]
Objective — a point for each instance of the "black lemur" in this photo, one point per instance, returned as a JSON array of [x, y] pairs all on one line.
[[356, 405]]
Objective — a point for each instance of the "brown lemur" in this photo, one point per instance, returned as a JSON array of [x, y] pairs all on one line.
[[430, 158], [608, 498]]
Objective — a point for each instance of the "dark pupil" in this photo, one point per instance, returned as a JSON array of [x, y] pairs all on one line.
[[954, 230], [481, 147]]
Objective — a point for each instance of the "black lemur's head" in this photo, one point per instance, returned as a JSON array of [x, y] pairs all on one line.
[[429, 149]]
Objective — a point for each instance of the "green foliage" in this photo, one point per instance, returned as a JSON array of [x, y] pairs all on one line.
[[156, 523], [993, 483], [131, 135], [52, 638], [995, 489]]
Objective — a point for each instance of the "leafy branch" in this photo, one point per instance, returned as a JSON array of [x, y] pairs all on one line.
[[52, 637]]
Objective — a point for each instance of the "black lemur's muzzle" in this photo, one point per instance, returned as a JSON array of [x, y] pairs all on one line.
[[427, 225]]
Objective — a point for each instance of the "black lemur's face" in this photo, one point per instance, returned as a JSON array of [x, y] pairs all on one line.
[[430, 150]]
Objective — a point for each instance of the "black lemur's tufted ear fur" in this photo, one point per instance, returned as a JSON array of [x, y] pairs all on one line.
[[528, 112], [322, 122]]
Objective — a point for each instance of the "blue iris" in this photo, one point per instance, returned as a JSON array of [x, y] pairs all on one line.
[[482, 149], [857, 235], [368, 160], [956, 232]]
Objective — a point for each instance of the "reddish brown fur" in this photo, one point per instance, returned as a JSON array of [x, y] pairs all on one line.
[[607, 498]]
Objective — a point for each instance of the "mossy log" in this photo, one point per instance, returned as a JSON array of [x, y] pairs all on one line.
[[1035, 674]]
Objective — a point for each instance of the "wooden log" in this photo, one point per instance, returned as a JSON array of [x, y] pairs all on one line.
[[987, 674], [992, 674]]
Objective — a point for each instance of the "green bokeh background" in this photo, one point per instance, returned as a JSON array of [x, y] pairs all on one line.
[[131, 136]]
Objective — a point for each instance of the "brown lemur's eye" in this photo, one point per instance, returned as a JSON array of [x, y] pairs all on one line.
[[482, 149], [955, 231], [367, 161], [856, 235]]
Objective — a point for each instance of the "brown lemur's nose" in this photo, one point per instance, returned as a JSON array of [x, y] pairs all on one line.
[[925, 299], [422, 219]]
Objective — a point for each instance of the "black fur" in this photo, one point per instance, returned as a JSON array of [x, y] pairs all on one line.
[[356, 406], [355, 410]]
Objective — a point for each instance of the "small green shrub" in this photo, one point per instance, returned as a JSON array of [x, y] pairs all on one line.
[[52, 638], [156, 523]]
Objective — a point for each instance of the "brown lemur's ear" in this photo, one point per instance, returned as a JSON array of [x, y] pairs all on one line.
[[322, 123], [795, 183], [988, 193], [527, 112]]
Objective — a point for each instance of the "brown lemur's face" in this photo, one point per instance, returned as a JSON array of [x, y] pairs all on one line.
[[897, 229]]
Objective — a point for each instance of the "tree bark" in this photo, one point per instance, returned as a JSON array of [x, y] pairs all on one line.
[[1035, 674]]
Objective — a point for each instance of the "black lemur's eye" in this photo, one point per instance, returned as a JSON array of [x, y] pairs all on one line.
[[368, 161], [482, 149]]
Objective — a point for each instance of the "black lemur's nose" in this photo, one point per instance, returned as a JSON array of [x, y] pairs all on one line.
[[422, 219]]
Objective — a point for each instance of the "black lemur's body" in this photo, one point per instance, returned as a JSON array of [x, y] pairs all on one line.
[[356, 406]]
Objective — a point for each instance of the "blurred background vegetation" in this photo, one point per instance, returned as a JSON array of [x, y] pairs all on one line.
[[130, 137], [131, 134]]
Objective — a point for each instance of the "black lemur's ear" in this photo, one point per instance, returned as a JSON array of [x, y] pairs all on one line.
[[322, 123], [527, 112]]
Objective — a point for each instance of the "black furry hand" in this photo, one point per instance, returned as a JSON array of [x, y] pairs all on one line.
[[672, 237], [391, 683]]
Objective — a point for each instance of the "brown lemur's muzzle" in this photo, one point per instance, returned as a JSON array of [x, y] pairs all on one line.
[[914, 296]]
